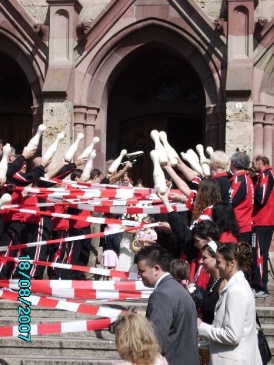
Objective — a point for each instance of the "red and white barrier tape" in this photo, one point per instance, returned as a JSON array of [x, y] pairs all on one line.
[[59, 327], [130, 285], [90, 219], [87, 193], [93, 270], [62, 304], [66, 239], [150, 209], [66, 293]]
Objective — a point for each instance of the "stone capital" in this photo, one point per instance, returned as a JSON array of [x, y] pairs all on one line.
[[92, 114], [80, 113], [66, 3], [269, 118], [259, 111]]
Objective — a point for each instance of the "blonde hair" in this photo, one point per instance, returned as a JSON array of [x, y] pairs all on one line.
[[219, 160], [135, 339]]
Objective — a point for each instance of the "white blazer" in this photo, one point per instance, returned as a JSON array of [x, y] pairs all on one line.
[[233, 335]]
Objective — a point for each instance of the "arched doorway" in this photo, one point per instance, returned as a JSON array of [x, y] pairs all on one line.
[[15, 104], [156, 89]]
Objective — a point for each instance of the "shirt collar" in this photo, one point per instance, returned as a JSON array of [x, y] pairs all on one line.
[[158, 281]]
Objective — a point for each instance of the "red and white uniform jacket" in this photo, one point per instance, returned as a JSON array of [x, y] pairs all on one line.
[[242, 195], [15, 177], [33, 199], [263, 213]]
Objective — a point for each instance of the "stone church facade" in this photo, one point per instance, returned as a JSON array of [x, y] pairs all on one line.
[[202, 70]]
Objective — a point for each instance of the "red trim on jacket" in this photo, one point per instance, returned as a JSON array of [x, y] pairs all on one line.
[[263, 213]]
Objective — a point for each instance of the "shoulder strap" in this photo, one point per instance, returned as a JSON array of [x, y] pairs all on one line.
[[258, 320]]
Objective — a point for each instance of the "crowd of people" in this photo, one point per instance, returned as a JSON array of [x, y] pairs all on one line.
[[247, 215], [223, 249], [199, 262], [17, 227]]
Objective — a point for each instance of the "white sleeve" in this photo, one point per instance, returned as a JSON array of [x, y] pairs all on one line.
[[232, 327]]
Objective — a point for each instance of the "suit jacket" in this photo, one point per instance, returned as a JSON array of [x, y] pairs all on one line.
[[233, 336], [173, 314]]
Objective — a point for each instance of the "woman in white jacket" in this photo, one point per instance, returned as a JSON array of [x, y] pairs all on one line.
[[233, 336]]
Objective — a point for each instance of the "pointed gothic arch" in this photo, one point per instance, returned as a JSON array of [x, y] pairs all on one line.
[[110, 60]]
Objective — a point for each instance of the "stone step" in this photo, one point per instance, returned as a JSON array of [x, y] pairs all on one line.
[[82, 348], [60, 347], [55, 360], [266, 314]]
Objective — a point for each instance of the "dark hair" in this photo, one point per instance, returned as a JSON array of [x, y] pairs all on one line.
[[240, 161], [264, 159], [179, 269], [241, 252], [139, 181], [76, 173], [94, 173], [151, 219], [154, 255], [205, 229], [209, 193], [223, 216]]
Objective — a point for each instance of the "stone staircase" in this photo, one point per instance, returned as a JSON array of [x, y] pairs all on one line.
[[266, 315], [85, 348], [79, 348]]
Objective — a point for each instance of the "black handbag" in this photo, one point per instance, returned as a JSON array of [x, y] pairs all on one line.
[[263, 344]]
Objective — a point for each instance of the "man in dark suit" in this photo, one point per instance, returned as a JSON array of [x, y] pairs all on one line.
[[170, 308]]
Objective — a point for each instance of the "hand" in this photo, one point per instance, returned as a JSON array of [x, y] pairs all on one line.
[[128, 165], [164, 225], [163, 197], [81, 161], [199, 321], [177, 197], [2, 181]]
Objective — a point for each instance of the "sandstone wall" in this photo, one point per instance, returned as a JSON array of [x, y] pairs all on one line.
[[38, 9]]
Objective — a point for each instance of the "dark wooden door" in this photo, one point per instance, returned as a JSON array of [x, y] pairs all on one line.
[[135, 136], [16, 129], [183, 133]]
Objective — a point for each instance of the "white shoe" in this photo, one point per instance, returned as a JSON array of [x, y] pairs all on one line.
[[261, 294]]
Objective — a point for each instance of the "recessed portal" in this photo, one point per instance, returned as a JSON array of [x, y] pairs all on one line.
[[15, 104], [156, 89]]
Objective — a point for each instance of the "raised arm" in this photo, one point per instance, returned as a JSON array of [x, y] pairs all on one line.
[[116, 175], [177, 180], [188, 173]]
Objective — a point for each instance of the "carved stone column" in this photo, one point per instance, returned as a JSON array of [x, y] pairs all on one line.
[[258, 123], [64, 20], [239, 106], [79, 126], [58, 88], [268, 133], [240, 45], [92, 114]]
